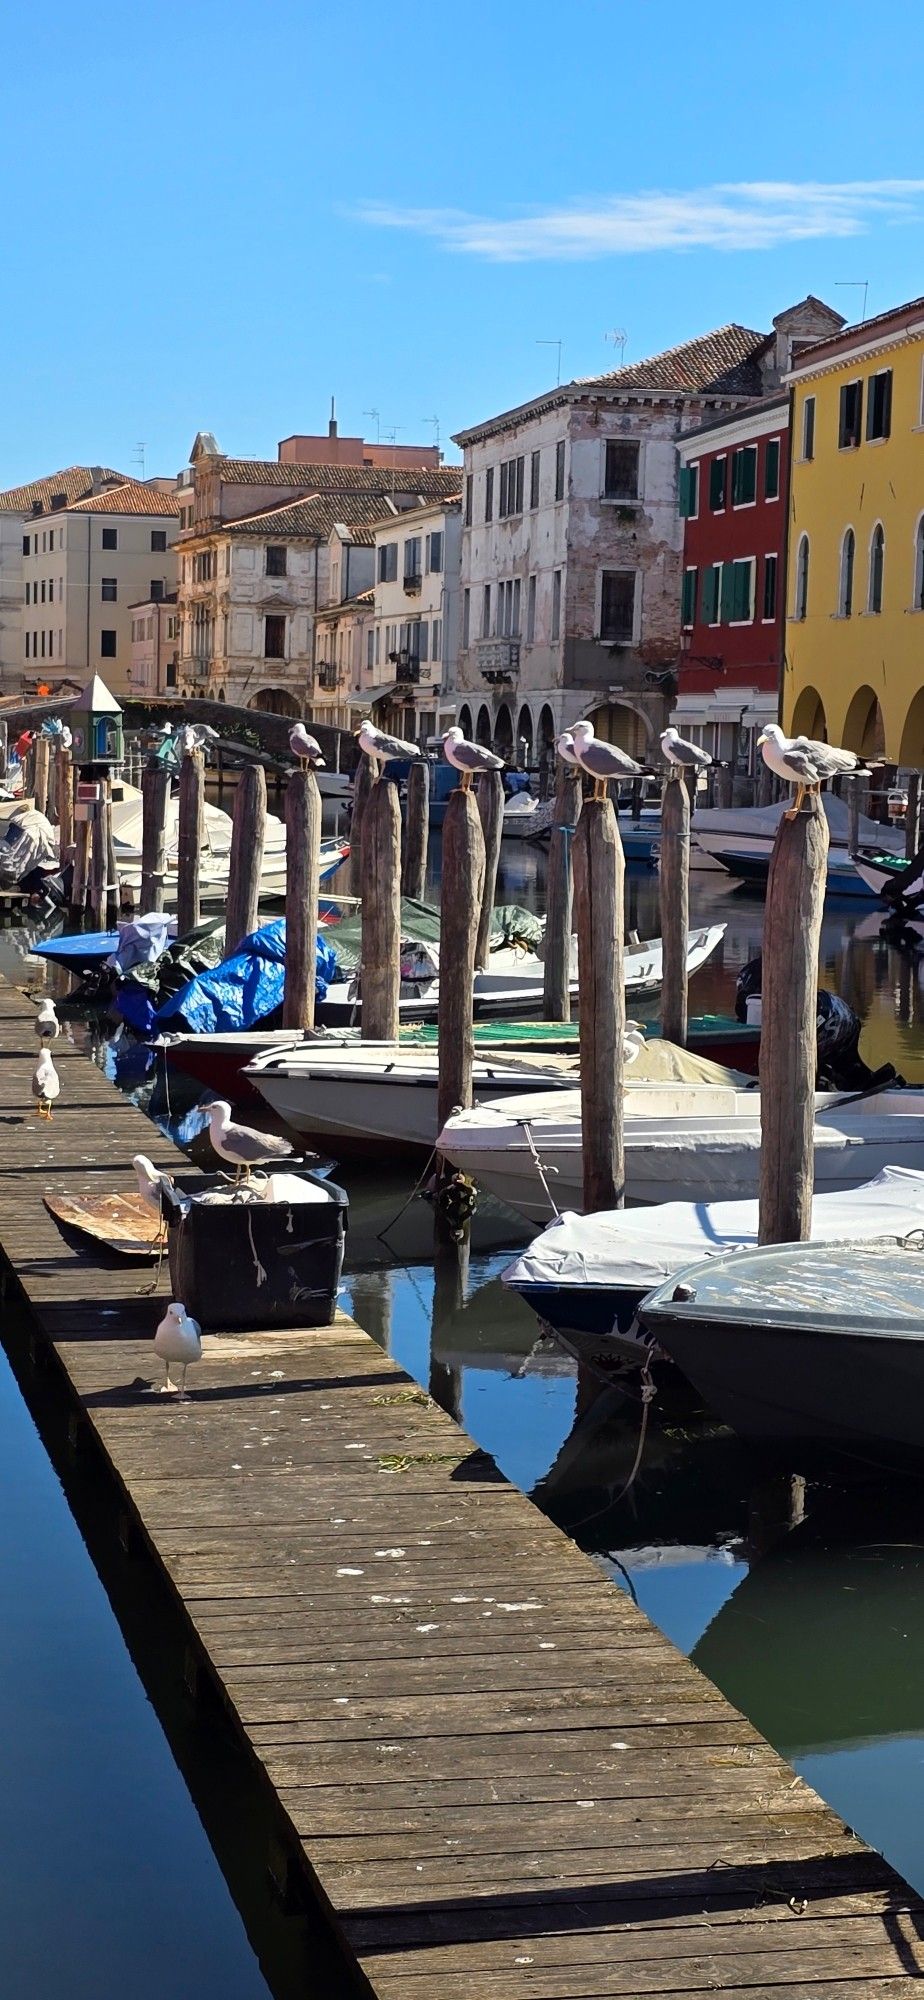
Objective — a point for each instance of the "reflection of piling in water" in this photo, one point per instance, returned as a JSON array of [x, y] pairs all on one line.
[[450, 1281], [775, 1507]]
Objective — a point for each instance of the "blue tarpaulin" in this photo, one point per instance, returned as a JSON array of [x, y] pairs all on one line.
[[246, 987]]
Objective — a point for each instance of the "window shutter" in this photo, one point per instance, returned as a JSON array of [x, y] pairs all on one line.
[[727, 593], [717, 485], [688, 606], [772, 470], [710, 594], [687, 490]]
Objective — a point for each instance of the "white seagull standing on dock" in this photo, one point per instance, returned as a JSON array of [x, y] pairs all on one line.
[[802, 762], [381, 749], [469, 758], [241, 1145], [681, 755], [46, 1084], [178, 1340], [306, 748], [601, 761], [150, 1182], [47, 1025]]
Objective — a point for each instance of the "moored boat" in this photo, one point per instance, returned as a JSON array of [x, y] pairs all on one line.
[[740, 840]]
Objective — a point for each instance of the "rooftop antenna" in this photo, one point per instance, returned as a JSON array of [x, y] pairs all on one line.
[[617, 337], [332, 426], [854, 285], [436, 428], [391, 437], [138, 454], [557, 344], [375, 414]]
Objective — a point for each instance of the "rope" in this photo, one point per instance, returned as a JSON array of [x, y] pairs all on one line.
[[649, 1391], [556, 1211], [381, 1234]]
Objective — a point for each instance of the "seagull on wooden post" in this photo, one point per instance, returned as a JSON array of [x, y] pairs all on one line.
[[681, 755], [803, 762], [601, 761], [381, 749], [305, 748], [566, 749], [469, 758], [242, 1146]]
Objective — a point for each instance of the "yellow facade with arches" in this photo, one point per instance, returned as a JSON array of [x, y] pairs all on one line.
[[854, 653]]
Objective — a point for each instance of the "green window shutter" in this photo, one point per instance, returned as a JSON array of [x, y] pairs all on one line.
[[727, 594], [687, 491], [710, 594], [741, 591], [717, 485], [688, 607], [744, 475], [772, 470]]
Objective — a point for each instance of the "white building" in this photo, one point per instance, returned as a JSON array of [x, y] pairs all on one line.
[[155, 629], [412, 646], [20, 506], [83, 567]]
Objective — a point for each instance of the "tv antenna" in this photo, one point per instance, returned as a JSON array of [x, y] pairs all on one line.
[[854, 285], [138, 454], [617, 337], [558, 344], [375, 414], [436, 428]]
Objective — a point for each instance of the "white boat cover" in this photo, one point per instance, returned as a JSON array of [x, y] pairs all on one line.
[[634, 1249], [762, 821]]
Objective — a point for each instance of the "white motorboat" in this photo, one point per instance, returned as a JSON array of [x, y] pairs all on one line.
[[740, 840], [512, 982], [215, 854], [361, 1095], [683, 1142], [526, 818]]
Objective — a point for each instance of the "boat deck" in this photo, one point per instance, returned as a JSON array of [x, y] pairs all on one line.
[[489, 1770]]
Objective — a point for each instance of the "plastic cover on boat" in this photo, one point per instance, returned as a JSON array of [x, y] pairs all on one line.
[[142, 942], [246, 987], [29, 842], [757, 820], [634, 1249]]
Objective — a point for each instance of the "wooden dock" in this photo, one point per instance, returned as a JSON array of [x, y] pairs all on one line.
[[496, 1776]]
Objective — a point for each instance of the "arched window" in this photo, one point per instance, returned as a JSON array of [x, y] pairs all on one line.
[[876, 566], [800, 607], [919, 567], [848, 551]]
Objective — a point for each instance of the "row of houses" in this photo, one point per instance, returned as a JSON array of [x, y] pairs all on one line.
[[731, 527]]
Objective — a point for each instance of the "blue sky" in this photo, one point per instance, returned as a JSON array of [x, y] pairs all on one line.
[[218, 215]]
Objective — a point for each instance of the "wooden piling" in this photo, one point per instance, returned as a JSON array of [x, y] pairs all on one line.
[[42, 749], [246, 862], [189, 842], [556, 981], [99, 855], [416, 830], [112, 871], [362, 787], [674, 896], [490, 800], [155, 795], [303, 845], [853, 814], [599, 873], [792, 931], [4, 749], [764, 784], [461, 891], [724, 785], [64, 787], [913, 815], [380, 974], [80, 884]]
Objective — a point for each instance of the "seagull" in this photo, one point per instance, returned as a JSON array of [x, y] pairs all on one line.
[[46, 1084], [47, 1025], [802, 762], [306, 748], [601, 761], [681, 755], [240, 1145], [66, 737], [566, 749], [380, 748], [194, 736], [179, 1340], [468, 758]]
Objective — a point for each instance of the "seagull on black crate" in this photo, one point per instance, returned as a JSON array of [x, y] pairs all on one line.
[[241, 1145], [469, 758], [801, 761], [47, 1025], [178, 1341], [601, 761], [381, 749], [46, 1084], [683, 756], [305, 748]]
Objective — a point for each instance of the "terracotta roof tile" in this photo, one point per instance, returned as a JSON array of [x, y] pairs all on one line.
[[311, 518], [132, 497], [378, 479], [75, 482], [722, 363]]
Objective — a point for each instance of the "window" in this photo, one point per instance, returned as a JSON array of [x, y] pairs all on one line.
[[156, 592], [44, 552], [919, 567], [772, 470], [560, 469], [274, 638], [689, 492], [107, 645], [800, 600], [28, 593], [879, 404], [109, 590], [276, 559], [388, 562], [617, 606], [845, 590], [27, 645], [43, 590], [435, 552], [688, 601], [850, 418], [25, 545], [770, 574], [515, 609], [876, 569], [556, 604], [436, 648], [710, 594], [620, 471], [412, 549], [534, 478], [808, 427], [489, 494], [531, 611], [510, 498], [466, 617], [203, 567], [51, 550], [744, 476], [486, 611], [717, 485], [227, 558], [158, 541], [110, 538], [42, 635], [737, 595], [468, 499], [51, 590]]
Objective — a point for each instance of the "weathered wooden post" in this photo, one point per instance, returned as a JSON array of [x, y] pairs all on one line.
[[461, 893], [724, 786], [764, 784], [792, 931], [248, 831], [112, 870], [491, 814], [362, 787], [599, 874], [155, 795], [99, 857], [4, 749], [416, 830], [64, 791], [556, 979], [303, 846], [635, 807], [380, 970], [81, 878], [189, 842], [913, 815], [853, 814], [674, 894], [40, 782]]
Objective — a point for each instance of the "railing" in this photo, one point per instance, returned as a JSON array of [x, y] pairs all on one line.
[[498, 659], [328, 676], [413, 582]]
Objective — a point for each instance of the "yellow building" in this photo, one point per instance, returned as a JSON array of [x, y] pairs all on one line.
[[854, 652]]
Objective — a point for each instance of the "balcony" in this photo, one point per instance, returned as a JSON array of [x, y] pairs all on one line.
[[327, 676], [498, 661]]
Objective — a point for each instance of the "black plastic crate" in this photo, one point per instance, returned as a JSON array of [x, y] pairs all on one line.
[[254, 1264]]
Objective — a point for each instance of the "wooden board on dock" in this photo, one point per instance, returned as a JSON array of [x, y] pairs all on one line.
[[502, 1779], [123, 1222]]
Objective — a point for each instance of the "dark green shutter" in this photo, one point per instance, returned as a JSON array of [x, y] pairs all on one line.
[[772, 470], [741, 592], [688, 609], [727, 595], [717, 485], [687, 491], [710, 594]]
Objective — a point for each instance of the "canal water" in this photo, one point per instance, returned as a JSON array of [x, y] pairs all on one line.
[[814, 1633]]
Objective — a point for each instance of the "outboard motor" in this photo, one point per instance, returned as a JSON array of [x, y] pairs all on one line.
[[840, 1064]]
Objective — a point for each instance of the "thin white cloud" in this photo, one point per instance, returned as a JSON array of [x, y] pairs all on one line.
[[748, 215]]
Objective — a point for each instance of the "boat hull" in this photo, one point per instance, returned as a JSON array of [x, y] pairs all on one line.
[[365, 1116]]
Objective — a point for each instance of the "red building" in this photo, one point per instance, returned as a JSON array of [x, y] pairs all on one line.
[[733, 477]]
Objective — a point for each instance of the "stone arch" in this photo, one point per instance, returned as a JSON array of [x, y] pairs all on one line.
[[465, 721], [524, 737], [545, 734], [483, 727], [503, 733], [911, 751], [808, 716], [864, 729], [625, 724], [275, 701]]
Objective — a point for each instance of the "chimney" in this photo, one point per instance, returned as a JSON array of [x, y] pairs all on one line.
[[332, 426]]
